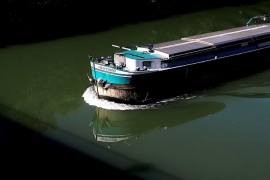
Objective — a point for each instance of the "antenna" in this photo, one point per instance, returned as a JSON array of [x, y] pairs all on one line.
[[150, 47], [121, 47]]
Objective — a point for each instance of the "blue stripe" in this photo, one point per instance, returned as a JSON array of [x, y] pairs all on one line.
[[110, 77], [111, 73], [106, 66]]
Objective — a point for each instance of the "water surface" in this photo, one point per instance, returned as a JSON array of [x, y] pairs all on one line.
[[214, 133]]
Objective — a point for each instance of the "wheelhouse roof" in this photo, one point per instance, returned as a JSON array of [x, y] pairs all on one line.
[[132, 54]]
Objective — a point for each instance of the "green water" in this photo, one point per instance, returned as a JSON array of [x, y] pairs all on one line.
[[218, 133]]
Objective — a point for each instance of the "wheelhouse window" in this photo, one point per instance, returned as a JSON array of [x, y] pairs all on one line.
[[148, 64]]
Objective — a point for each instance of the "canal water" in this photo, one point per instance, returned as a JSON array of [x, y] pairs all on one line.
[[220, 132]]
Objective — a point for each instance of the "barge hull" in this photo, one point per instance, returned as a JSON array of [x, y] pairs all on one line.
[[183, 64], [155, 86]]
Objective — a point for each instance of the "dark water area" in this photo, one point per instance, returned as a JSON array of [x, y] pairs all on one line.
[[52, 123], [38, 20]]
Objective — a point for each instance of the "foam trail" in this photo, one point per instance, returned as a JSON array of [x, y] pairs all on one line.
[[90, 97]]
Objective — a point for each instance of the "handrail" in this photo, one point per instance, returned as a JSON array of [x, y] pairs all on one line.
[[261, 17]]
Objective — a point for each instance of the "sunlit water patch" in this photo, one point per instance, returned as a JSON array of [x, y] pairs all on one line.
[[91, 98]]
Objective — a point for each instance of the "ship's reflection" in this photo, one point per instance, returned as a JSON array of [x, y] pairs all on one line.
[[115, 126]]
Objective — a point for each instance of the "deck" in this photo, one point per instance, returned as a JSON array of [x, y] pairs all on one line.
[[214, 40]]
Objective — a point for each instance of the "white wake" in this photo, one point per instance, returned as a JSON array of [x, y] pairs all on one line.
[[91, 98]]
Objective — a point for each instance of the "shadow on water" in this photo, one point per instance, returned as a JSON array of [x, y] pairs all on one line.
[[30, 153], [27, 152], [115, 125]]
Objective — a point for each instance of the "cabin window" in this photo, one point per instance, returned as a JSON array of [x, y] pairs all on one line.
[[148, 64]]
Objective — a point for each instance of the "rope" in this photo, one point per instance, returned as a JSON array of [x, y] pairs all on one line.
[[199, 41]]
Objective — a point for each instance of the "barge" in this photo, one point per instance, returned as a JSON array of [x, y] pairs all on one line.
[[153, 71]]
